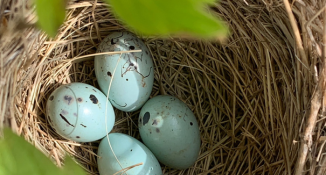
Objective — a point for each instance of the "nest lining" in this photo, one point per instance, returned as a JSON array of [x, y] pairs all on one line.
[[250, 95]]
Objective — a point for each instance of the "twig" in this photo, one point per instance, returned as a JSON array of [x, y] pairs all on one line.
[[307, 138], [312, 38], [128, 168], [55, 154], [296, 31], [306, 144], [323, 168]]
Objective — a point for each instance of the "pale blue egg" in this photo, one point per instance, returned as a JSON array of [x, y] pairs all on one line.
[[129, 151], [170, 130], [134, 74], [77, 112]]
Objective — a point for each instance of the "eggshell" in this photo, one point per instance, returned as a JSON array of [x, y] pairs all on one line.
[[129, 152], [134, 74], [77, 112], [169, 129]]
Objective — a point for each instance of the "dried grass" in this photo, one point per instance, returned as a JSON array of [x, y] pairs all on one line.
[[252, 95]]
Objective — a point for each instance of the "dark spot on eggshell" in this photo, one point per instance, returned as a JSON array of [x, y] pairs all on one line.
[[127, 79], [147, 116], [119, 104], [79, 100], [94, 90], [112, 42], [93, 99], [157, 130], [83, 125], [139, 120], [109, 74], [68, 99], [77, 137], [64, 112], [154, 122], [75, 114], [86, 87], [51, 98], [131, 150], [191, 123], [64, 118], [131, 64], [132, 47]]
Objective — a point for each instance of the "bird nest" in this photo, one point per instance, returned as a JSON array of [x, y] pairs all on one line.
[[258, 97]]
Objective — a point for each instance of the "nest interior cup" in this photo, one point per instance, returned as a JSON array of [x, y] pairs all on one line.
[[250, 95]]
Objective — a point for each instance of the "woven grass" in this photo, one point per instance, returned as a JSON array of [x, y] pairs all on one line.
[[257, 97]]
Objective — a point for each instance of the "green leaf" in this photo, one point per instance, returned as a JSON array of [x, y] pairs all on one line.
[[18, 157], [51, 14], [169, 17], [71, 168]]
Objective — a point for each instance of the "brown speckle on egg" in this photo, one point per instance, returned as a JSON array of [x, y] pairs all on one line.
[[65, 119], [64, 112], [93, 99], [79, 100], [68, 99]]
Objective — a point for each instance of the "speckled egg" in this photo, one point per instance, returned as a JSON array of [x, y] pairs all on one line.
[[76, 111], [132, 80], [170, 130], [129, 152]]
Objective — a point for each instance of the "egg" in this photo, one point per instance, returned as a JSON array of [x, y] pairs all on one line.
[[76, 111], [132, 73], [170, 130], [129, 151]]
